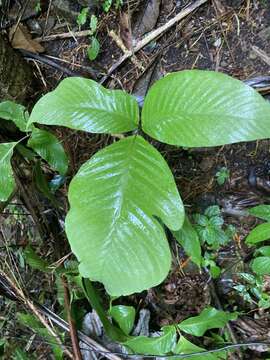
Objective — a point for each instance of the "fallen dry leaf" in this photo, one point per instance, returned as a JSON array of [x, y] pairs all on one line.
[[20, 38], [125, 30]]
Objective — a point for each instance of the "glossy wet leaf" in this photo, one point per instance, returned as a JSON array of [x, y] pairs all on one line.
[[188, 238], [159, 345], [209, 318], [9, 110], [258, 234], [83, 104], [261, 211], [112, 227], [261, 265], [7, 182], [124, 316], [196, 108], [185, 347], [50, 149]]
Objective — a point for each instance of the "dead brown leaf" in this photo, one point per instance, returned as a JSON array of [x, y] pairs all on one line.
[[20, 38], [148, 19]]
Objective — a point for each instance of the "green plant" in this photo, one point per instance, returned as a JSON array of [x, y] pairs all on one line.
[[222, 175], [261, 264], [82, 17], [252, 289], [94, 47], [107, 4], [124, 196], [210, 228]]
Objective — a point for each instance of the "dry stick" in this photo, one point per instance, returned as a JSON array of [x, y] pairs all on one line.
[[35, 311], [72, 326], [64, 35], [262, 54], [153, 35]]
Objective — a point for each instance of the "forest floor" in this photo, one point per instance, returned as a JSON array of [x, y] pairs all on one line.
[[230, 36]]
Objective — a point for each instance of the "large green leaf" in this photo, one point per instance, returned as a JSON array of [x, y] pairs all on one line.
[[159, 345], [261, 211], [7, 182], [209, 318], [83, 104], [50, 149], [111, 226], [204, 108], [188, 238], [185, 347], [124, 316], [261, 265], [9, 110], [258, 234]]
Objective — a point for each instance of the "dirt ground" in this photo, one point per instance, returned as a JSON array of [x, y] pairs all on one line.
[[230, 36]]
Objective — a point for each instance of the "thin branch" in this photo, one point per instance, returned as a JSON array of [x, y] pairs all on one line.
[[72, 326]]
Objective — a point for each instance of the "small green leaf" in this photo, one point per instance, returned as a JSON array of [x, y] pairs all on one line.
[[50, 149], [216, 221], [261, 212], [112, 229], [19, 354], [7, 182], [9, 110], [83, 104], [159, 345], [124, 316], [185, 347], [213, 210], [258, 234], [209, 318], [261, 265], [93, 49], [195, 108], [82, 17], [93, 24], [188, 238], [34, 261]]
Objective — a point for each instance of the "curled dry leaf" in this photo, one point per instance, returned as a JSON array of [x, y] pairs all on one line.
[[20, 38]]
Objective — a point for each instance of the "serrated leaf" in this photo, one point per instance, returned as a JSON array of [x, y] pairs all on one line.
[[195, 108], [159, 345], [261, 212], [7, 182], [124, 316], [213, 210], [83, 104], [188, 238], [50, 149], [185, 347], [111, 225], [258, 234], [209, 318], [261, 265], [9, 110], [93, 49]]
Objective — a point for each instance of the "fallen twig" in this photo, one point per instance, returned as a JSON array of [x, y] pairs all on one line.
[[64, 35], [262, 54], [153, 35], [72, 326]]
